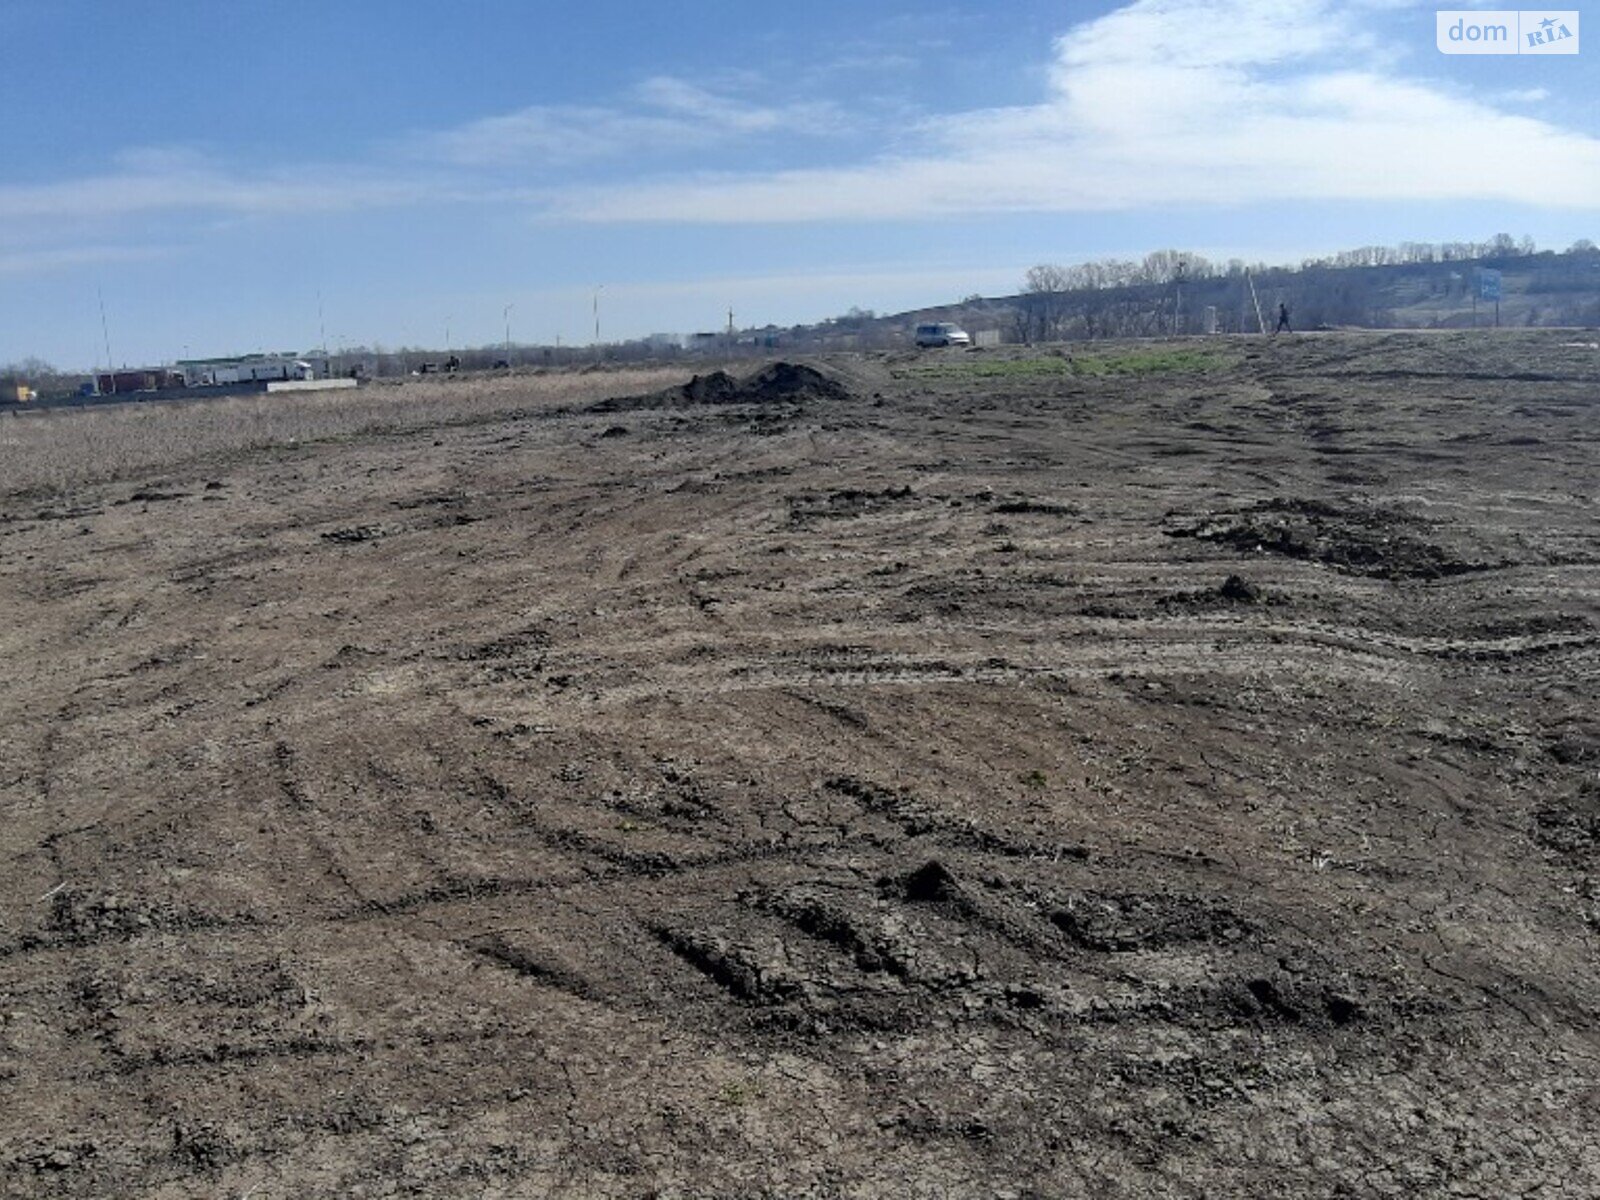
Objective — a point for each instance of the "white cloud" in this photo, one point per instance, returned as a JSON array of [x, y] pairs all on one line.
[[1160, 102], [1183, 33], [34, 262], [667, 115], [1168, 101], [167, 181]]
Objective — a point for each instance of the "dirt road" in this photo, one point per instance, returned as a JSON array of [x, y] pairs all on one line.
[[1168, 771]]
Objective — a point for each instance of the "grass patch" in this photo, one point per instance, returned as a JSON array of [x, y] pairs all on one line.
[[1153, 361], [998, 368]]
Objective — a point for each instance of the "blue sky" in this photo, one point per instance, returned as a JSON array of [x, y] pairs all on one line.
[[222, 172]]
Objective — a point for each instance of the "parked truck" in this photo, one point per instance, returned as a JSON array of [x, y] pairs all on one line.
[[122, 382]]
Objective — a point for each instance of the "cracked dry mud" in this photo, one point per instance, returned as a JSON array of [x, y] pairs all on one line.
[[951, 784]]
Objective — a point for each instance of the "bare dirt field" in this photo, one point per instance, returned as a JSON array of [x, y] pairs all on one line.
[[1168, 771]]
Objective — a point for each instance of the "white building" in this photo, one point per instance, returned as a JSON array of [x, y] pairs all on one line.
[[251, 368]]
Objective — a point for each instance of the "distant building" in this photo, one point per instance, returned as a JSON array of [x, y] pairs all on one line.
[[251, 368]]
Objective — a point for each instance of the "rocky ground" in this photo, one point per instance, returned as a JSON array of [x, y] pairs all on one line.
[[1163, 770]]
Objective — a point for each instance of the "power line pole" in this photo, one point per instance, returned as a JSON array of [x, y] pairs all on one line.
[[105, 332], [506, 313], [1177, 307], [1261, 321]]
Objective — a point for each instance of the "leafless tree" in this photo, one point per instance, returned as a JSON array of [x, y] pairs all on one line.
[[1044, 289]]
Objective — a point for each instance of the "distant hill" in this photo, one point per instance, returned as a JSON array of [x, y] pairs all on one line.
[[1537, 289]]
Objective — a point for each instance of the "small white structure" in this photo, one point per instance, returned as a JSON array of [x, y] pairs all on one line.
[[247, 368], [310, 385]]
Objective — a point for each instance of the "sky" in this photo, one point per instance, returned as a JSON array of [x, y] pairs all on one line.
[[234, 175]]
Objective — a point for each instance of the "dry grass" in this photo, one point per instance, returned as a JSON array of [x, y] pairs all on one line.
[[54, 450]]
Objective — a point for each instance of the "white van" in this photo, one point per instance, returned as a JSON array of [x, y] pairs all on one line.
[[942, 334]]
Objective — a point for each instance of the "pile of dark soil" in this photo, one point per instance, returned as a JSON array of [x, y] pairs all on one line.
[[779, 383], [791, 382], [1235, 589], [1352, 538], [1571, 825]]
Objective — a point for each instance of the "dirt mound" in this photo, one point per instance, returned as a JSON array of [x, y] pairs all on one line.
[[1352, 538], [791, 382], [1235, 589], [1571, 825], [778, 383], [1112, 923]]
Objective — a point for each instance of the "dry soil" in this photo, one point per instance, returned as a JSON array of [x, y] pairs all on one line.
[[1169, 770]]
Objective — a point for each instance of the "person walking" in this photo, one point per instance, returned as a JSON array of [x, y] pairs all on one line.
[[1283, 319]]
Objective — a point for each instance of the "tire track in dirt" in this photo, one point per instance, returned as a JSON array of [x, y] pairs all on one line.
[[728, 771]]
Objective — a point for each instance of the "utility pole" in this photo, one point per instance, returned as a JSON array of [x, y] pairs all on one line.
[[506, 313], [598, 288], [1177, 307], [447, 321], [730, 327], [1261, 321], [105, 332]]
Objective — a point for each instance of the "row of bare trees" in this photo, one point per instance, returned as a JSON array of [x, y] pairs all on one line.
[[36, 373], [1169, 266], [1169, 290]]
